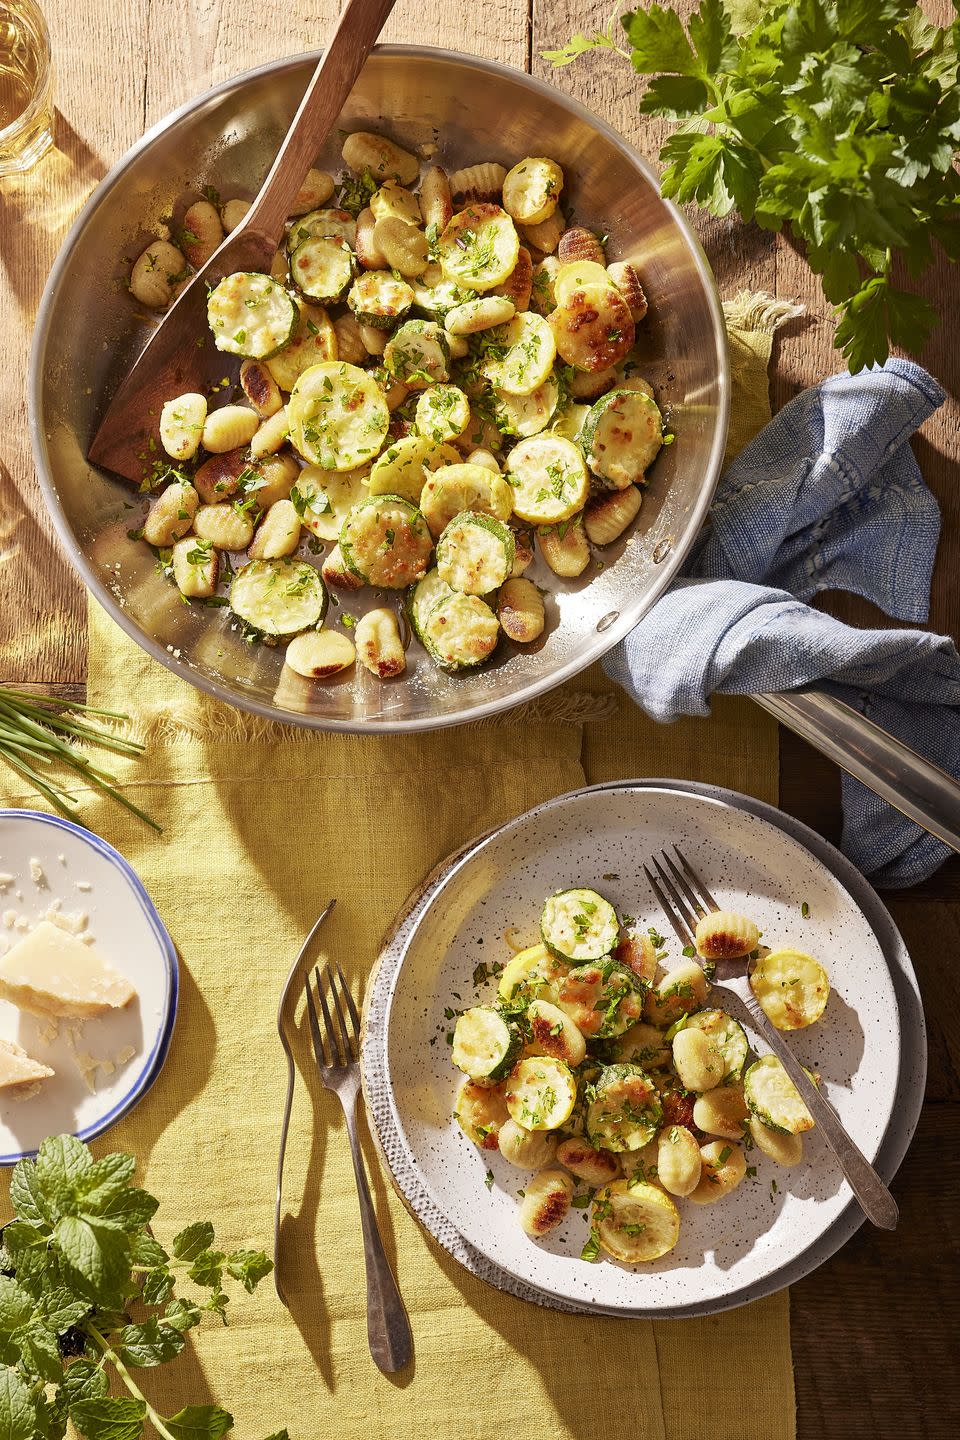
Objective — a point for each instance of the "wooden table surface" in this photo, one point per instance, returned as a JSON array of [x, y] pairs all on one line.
[[874, 1330]]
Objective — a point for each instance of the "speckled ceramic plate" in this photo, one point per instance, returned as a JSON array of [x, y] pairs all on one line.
[[780, 1223], [103, 1068]]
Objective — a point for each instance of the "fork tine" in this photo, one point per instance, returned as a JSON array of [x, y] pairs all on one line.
[[335, 995], [707, 897], [315, 1026], [351, 1006], [688, 917], [699, 909], [679, 929], [332, 1037]]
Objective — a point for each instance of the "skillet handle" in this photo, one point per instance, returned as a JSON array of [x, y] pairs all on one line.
[[356, 34], [913, 785]]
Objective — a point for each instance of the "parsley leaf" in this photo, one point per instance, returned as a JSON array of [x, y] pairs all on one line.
[[837, 121]]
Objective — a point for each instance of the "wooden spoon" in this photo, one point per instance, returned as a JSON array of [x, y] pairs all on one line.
[[181, 355]]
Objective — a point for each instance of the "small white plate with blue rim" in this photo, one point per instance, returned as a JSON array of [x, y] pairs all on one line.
[[780, 1223], [50, 866]]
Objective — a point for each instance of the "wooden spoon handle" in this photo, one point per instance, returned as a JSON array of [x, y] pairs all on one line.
[[356, 34]]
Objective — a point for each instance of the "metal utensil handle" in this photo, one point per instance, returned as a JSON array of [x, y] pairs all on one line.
[[916, 787], [874, 1198], [357, 31], [388, 1329]]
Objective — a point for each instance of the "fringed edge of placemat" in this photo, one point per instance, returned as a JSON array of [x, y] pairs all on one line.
[[757, 310], [222, 724]]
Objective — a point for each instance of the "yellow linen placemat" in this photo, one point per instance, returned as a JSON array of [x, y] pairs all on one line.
[[262, 824]]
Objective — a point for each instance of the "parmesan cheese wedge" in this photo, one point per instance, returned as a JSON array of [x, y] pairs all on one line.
[[51, 972], [16, 1067]]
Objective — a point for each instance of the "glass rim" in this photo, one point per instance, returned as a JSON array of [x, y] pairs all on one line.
[[42, 88]]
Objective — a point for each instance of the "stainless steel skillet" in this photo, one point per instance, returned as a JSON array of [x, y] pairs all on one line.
[[88, 332]]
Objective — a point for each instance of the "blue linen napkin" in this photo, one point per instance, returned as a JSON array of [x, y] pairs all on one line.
[[828, 496]]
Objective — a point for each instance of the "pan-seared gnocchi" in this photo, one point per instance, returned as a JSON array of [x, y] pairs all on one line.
[[624, 1118], [433, 383]]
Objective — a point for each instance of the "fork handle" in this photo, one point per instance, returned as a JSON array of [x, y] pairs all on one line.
[[874, 1198], [388, 1329]]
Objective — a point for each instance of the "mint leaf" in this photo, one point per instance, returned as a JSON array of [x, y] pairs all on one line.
[[61, 1160], [207, 1269], [199, 1422], [126, 1210], [249, 1267], [152, 1343], [109, 1419], [27, 1195], [60, 1309], [83, 1380], [16, 1306], [39, 1351], [17, 1413], [280, 1435], [97, 1257], [182, 1314], [104, 1181], [193, 1241]]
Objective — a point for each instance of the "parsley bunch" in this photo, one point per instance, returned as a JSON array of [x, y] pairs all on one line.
[[76, 1265], [837, 118]]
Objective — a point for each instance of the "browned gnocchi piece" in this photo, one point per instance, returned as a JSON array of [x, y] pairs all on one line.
[[607, 516], [403, 245], [202, 232], [155, 274], [519, 283], [593, 1166], [436, 204], [350, 346], [567, 554], [260, 388], [379, 645], [627, 280], [579, 244], [520, 611], [545, 236], [219, 477], [320, 654], [367, 253], [313, 193], [278, 533], [224, 525], [196, 567], [482, 182], [364, 150], [335, 571], [545, 1203], [171, 515]]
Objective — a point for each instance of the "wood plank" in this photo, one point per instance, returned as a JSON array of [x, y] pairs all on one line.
[[874, 1330]]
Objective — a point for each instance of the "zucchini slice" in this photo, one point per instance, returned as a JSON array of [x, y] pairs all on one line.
[[576, 275], [338, 224], [479, 247], [643, 1045], [454, 488], [475, 553], [625, 1112], [792, 988], [485, 1045], [420, 601], [635, 1223], [524, 355], [621, 437], [338, 416], [533, 971], [322, 267], [460, 632], [402, 468], [438, 299], [603, 998], [593, 327], [385, 541], [579, 925], [549, 479], [772, 1096], [570, 422], [250, 315], [314, 341], [279, 598], [324, 498], [527, 415], [379, 298], [417, 354], [443, 413], [726, 1033], [541, 1093]]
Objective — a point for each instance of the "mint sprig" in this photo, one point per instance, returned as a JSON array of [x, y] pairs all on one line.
[[839, 119], [87, 1292]]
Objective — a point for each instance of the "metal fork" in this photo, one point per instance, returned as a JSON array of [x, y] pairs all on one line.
[[689, 901], [336, 1049]]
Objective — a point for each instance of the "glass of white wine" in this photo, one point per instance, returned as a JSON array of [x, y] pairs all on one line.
[[26, 90]]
